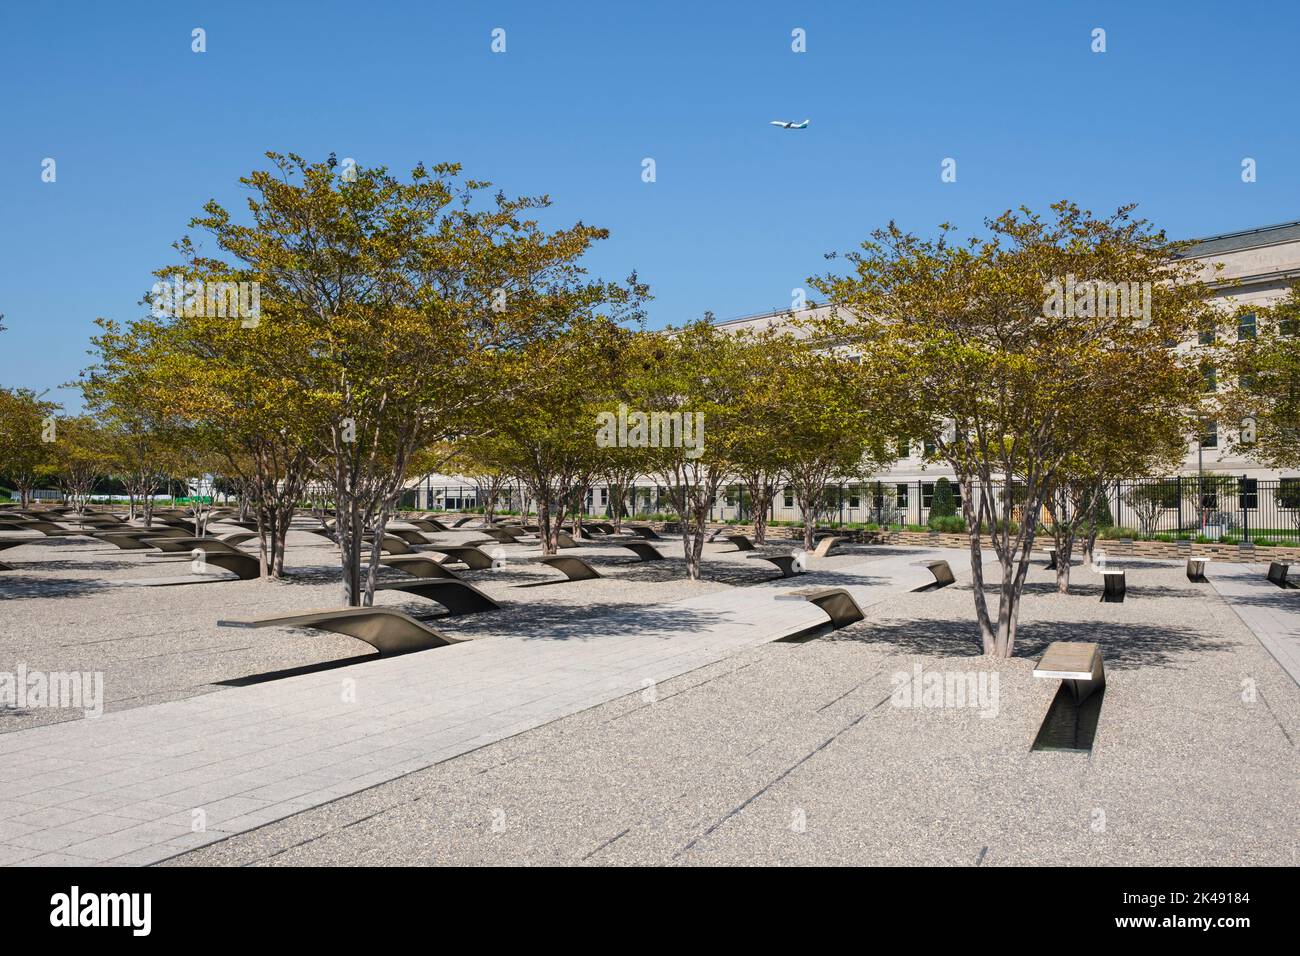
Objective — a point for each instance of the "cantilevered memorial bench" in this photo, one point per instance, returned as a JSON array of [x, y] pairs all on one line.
[[575, 569], [245, 567], [942, 576], [458, 597], [788, 564], [1071, 720], [386, 630], [47, 528], [462, 521], [503, 535], [420, 566], [825, 545], [741, 542], [170, 544], [4, 546], [1113, 588], [565, 540], [474, 558], [837, 603], [391, 544], [409, 535], [1196, 568], [642, 549], [650, 534], [1051, 559], [426, 524], [1277, 572]]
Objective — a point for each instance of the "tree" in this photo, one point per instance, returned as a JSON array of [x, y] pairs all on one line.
[[687, 381], [1007, 344], [548, 438], [408, 301], [124, 392], [760, 404], [830, 425], [27, 430], [81, 457], [943, 504]]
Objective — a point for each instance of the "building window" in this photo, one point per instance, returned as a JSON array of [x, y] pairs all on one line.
[[1210, 378], [854, 500], [900, 497], [930, 448], [789, 497], [1210, 438], [1246, 326], [1206, 336], [904, 448]]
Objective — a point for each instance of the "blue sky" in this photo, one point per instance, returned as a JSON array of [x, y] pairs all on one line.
[[144, 130]]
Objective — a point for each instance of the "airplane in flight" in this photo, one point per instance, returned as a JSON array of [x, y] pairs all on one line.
[[784, 124]]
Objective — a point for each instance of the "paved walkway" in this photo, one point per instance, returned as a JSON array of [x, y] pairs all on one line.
[[139, 786], [1270, 612]]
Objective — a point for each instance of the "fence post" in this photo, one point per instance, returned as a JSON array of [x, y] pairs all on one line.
[[1244, 502]]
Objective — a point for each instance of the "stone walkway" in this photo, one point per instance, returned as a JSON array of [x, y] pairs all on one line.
[[141, 785], [1270, 612]]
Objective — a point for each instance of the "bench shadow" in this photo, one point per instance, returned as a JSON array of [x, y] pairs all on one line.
[[1122, 645], [15, 585]]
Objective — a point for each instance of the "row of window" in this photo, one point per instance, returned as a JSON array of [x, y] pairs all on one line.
[[900, 495]]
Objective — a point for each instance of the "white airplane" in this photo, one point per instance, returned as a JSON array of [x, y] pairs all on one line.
[[788, 125]]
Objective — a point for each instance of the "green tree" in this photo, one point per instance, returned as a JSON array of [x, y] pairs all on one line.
[[408, 300], [943, 504], [1007, 345], [27, 432]]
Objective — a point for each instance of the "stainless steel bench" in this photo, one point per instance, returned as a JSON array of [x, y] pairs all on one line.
[[575, 569], [386, 630], [458, 597], [787, 563], [420, 566], [1113, 588], [837, 603], [1071, 720], [643, 549]]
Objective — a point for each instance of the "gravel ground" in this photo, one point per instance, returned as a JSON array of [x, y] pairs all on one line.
[[63, 608], [794, 753]]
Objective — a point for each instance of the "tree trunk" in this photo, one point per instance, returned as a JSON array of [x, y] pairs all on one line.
[[809, 520], [350, 543], [550, 541], [1064, 555], [694, 531], [760, 521]]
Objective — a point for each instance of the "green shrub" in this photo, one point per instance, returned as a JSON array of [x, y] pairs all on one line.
[[1104, 518], [942, 504], [948, 524]]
